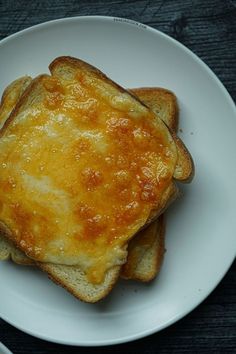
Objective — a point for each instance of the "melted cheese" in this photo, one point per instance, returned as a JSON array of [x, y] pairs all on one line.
[[80, 172]]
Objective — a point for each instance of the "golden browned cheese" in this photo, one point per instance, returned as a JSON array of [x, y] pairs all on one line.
[[80, 172]]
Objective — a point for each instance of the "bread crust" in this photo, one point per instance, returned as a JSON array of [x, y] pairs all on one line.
[[77, 283], [21, 103], [10, 97], [9, 251], [144, 260]]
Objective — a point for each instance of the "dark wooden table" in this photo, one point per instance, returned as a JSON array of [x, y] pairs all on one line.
[[208, 28]]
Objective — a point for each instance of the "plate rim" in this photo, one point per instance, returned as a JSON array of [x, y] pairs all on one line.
[[182, 314], [4, 349]]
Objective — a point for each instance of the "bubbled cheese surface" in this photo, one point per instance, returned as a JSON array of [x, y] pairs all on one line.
[[81, 168]]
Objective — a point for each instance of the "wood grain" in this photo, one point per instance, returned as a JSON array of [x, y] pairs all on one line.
[[208, 28]]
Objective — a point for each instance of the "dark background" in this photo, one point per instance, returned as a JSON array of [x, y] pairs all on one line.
[[208, 28]]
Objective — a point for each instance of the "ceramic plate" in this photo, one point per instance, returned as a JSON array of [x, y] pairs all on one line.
[[4, 349], [200, 237]]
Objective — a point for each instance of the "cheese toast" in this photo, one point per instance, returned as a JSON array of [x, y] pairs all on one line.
[[56, 111], [146, 250]]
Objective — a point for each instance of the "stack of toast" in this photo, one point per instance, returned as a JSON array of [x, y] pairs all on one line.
[[87, 171]]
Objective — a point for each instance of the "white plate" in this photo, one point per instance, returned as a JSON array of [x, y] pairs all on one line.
[[4, 349], [200, 240]]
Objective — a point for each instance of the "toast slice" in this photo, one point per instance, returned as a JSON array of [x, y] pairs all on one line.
[[58, 271], [146, 253], [11, 96], [146, 250], [162, 102]]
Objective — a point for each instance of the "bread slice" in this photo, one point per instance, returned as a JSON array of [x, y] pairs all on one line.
[[11, 96], [144, 260], [162, 102], [61, 273], [146, 253], [146, 250]]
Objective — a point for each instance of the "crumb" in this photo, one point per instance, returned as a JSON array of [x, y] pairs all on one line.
[[191, 133], [181, 130]]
